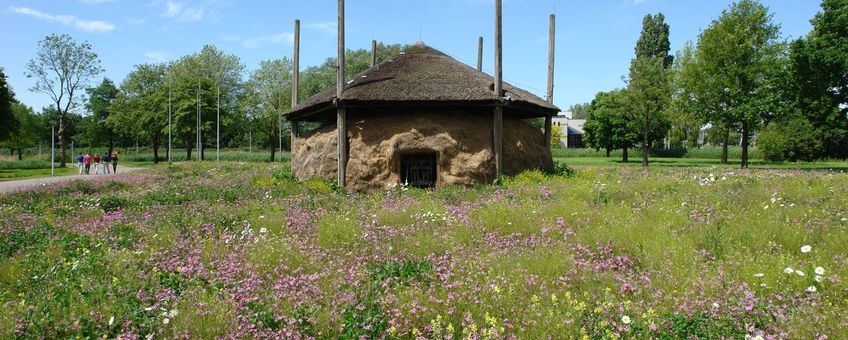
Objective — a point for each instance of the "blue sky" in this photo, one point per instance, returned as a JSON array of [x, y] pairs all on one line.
[[595, 39]]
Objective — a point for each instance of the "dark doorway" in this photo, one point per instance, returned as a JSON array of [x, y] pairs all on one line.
[[418, 170]]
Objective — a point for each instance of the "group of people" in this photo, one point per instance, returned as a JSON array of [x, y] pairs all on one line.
[[85, 162]]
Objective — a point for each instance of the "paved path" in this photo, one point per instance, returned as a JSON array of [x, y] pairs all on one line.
[[6, 186]]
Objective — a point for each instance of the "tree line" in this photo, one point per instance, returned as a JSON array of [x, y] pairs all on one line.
[[741, 80], [199, 88]]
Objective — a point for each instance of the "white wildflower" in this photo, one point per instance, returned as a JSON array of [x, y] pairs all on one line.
[[111, 320], [819, 270], [263, 230], [819, 278], [811, 289], [166, 321], [806, 249], [759, 275], [789, 270], [625, 319], [800, 273]]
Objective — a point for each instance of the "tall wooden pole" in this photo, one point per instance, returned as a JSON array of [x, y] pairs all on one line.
[[170, 91], [550, 94], [373, 53], [497, 133], [295, 79], [341, 118], [480, 54]]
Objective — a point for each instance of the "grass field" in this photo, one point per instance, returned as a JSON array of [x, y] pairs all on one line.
[[832, 165], [245, 250]]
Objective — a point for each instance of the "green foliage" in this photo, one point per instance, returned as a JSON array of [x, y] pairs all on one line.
[[820, 71], [607, 126], [649, 86], [579, 110], [61, 69], [8, 121], [793, 140]]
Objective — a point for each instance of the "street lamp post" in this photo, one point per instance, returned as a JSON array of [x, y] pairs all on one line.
[[169, 115], [218, 129]]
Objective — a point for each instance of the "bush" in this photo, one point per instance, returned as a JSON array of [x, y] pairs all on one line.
[[792, 140]]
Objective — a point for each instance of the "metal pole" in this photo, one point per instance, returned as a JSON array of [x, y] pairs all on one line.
[[72, 148], [218, 129], [52, 149], [170, 90], [198, 121]]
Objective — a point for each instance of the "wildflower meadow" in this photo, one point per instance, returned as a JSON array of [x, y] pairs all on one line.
[[234, 250]]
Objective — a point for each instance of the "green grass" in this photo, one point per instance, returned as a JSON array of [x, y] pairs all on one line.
[[841, 166], [214, 249], [15, 174]]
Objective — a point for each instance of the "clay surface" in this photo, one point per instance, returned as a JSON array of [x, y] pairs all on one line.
[[461, 141]]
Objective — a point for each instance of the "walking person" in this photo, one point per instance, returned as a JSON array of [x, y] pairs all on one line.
[[96, 161], [86, 160], [106, 161], [79, 163], [114, 158]]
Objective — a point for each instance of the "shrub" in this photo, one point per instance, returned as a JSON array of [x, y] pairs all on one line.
[[792, 140]]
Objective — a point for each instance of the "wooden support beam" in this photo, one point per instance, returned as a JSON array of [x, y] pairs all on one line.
[[295, 79], [373, 53], [341, 116], [480, 54], [497, 134], [550, 94]]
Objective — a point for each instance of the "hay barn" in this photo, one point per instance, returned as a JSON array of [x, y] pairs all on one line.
[[420, 118]]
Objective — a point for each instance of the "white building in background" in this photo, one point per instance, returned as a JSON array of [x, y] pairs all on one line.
[[572, 130]]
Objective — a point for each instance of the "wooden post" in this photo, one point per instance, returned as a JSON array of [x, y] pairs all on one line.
[[480, 54], [341, 118], [295, 79], [550, 93], [373, 53], [497, 134]]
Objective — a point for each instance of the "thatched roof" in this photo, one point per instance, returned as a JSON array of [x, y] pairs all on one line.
[[422, 76]]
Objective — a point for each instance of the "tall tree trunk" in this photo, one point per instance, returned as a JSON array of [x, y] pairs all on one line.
[[646, 148], [608, 152], [188, 151], [745, 141], [111, 142], [624, 155], [202, 151], [156, 150], [59, 135], [20, 154], [724, 145]]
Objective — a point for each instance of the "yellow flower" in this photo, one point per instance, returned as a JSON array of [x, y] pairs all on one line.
[[392, 330], [553, 298]]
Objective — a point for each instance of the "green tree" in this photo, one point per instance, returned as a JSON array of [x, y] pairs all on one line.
[[99, 104], [579, 110], [141, 108], [791, 139], [269, 95], [684, 109], [649, 86], [8, 123], [27, 132], [820, 69], [607, 125], [62, 67], [736, 56]]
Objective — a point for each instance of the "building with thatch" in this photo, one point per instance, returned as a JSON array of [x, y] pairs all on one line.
[[419, 118]]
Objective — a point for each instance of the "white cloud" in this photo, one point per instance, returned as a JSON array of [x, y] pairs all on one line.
[[70, 20], [96, 2], [326, 27], [158, 57], [182, 11], [137, 21], [285, 38]]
